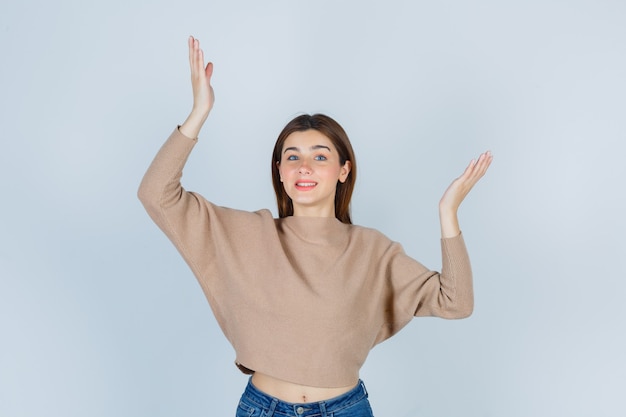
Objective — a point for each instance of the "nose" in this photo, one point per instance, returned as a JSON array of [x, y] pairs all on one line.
[[304, 169]]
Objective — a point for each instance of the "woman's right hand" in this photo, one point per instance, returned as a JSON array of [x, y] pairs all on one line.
[[203, 96]]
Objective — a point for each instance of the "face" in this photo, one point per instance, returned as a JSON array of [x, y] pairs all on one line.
[[309, 169]]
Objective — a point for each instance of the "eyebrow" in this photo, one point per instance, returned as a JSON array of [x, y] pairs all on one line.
[[295, 148]]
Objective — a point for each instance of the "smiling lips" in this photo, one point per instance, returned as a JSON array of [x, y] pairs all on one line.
[[305, 185]]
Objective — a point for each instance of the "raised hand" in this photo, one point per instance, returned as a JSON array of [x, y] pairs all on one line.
[[458, 190], [203, 95]]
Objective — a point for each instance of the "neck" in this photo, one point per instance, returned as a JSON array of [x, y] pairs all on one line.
[[299, 211], [317, 230]]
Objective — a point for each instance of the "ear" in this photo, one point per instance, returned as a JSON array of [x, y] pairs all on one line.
[[279, 175], [345, 171]]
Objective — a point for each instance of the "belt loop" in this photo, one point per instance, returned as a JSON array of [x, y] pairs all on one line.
[[322, 405], [363, 386], [270, 411]]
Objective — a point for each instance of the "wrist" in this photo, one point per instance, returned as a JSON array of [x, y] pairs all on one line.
[[199, 113], [449, 222], [447, 210], [192, 125]]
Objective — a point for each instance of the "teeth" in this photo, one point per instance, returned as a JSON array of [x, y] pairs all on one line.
[[305, 184]]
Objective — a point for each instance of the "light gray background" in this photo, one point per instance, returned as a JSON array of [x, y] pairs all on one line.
[[99, 316]]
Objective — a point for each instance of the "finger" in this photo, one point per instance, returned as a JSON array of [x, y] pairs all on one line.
[[194, 47], [193, 54], [483, 162], [469, 169], [199, 58], [208, 71], [480, 167], [190, 45], [476, 169]]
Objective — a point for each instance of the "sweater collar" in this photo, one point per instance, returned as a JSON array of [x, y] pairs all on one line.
[[316, 230]]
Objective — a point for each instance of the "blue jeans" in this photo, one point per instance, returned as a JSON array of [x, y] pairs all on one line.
[[255, 403]]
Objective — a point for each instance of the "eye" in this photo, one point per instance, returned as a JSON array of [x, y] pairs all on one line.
[[292, 158], [320, 158]]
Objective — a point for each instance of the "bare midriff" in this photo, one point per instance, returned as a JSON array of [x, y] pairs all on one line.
[[294, 393]]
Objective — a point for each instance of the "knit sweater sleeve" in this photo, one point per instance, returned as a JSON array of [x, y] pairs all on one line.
[[452, 294], [177, 212], [195, 226], [414, 290]]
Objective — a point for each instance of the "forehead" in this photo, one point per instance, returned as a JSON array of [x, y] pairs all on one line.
[[306, 139]]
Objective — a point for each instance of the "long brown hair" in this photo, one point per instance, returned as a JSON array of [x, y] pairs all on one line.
[[333, 131]]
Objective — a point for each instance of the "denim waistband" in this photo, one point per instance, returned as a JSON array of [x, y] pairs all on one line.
[[321, 408]]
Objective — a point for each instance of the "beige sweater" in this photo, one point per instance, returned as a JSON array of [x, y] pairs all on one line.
[[302, 299]]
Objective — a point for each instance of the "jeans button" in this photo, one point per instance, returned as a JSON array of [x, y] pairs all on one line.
[[299, 410]]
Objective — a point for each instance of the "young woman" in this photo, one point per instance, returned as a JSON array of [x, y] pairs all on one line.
[[303, 298]]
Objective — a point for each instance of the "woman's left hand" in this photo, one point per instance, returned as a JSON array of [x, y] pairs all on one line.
[[460, 187]]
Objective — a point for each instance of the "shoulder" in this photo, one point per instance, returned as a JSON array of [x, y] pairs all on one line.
[[257, 215], [370, 236], [365, 231], [229, 218], [228, 214]]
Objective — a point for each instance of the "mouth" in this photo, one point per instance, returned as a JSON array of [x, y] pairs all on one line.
[[305, 185]]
